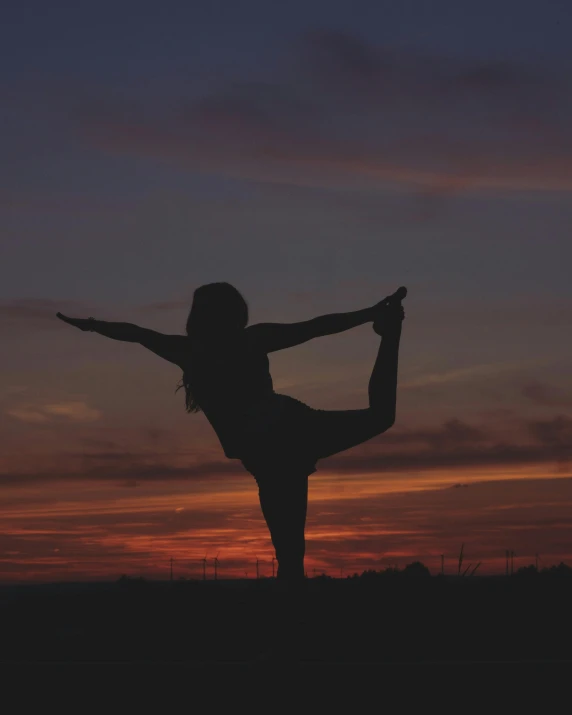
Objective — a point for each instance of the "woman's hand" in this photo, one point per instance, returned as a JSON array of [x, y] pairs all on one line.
[[388, 314], [389, 318], [81, 323]]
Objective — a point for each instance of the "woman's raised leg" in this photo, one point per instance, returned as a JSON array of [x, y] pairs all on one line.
[[382, 388], [334, 431]]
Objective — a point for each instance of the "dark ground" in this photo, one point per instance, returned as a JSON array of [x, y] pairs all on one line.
[[404, 641], [376, 618]]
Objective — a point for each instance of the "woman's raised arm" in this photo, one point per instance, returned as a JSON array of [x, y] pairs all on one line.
[[127, 332], [173, 348], [278, 336]]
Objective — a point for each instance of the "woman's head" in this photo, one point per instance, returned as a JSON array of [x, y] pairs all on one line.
[[217, 309]]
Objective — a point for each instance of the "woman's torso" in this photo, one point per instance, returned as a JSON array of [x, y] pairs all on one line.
[[232, 384]]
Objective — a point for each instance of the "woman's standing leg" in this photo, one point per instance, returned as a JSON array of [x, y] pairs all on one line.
[[284, 505]]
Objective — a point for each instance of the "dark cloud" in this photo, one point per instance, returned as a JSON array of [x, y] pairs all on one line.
[[496, 455], [344, 114], [154, 435], [342, 57], [127, 468], [351, 64], [454, 444], [147, 467], [457, 444], [495, 76], [540, 393], [555, 433], [452, 433], [102, 444]]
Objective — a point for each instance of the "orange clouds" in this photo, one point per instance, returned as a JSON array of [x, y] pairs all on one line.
[[355, 525], [110, 509]]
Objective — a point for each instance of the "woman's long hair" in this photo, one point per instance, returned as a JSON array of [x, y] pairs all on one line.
[[217, 311]]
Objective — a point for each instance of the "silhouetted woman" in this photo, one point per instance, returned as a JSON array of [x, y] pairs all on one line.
[[277, 438]]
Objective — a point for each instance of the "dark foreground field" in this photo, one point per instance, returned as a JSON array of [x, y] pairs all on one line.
[[377, 618]]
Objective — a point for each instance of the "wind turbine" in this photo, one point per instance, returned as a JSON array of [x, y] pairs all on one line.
[[215, 566], [257, 570], [204, 560]]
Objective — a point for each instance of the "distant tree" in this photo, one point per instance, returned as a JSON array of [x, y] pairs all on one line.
[[527, 571], [560, 571], [416, 570]]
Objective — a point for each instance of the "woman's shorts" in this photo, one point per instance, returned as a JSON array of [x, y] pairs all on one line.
[[283, 437]]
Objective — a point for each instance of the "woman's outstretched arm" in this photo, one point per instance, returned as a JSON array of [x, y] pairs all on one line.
[[170, 347], [278, 336]]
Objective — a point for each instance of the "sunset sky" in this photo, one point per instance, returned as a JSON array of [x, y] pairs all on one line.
[[317, 155]]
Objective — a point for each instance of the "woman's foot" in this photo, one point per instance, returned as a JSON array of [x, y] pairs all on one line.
[[389, 317]]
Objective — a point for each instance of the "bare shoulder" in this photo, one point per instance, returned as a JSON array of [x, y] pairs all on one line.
[[256, 335]]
